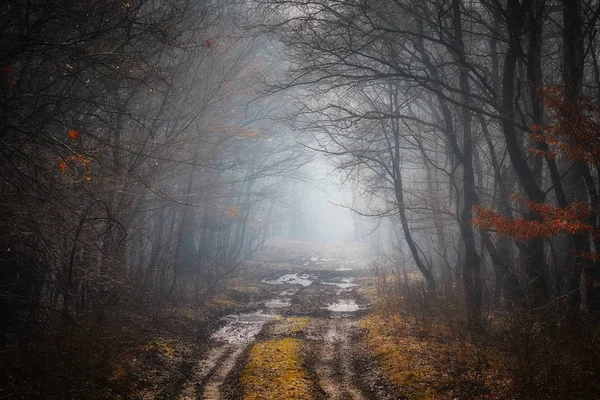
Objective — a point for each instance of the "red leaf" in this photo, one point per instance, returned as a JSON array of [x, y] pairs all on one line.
[[63, 166]]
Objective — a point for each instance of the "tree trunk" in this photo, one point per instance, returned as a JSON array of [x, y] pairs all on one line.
[[573, 81], [472, 268], [531, 252], [399, 195]]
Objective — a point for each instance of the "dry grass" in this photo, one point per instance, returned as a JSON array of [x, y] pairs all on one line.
[[289, 326], [274, 371], [435, 366]]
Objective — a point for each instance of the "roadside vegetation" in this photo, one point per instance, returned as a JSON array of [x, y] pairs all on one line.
[[432, 364], [428, 352]]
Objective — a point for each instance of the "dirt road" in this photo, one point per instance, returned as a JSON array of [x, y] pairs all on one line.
[[328, 304]]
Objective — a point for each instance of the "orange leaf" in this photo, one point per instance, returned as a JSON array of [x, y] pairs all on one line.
[[73, 134], [63, 166]]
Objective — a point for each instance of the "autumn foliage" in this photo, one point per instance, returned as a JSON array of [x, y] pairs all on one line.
[[571, 132], [70, 162], [73, 134], [552, 220]]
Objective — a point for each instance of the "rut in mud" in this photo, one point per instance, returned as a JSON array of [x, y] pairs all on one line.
[[328, 300], [227, 344], [334, 367]]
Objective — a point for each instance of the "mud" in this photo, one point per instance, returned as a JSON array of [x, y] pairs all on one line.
[[332, 340], [347, 284], [344, 306], [330, 300]]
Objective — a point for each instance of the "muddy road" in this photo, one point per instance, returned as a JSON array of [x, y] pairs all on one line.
[[322, 307]]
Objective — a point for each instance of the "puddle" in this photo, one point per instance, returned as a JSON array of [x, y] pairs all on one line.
[[344, 306], [344, 283], [333, 335], [278, 303], [292, 279], [241, 328]]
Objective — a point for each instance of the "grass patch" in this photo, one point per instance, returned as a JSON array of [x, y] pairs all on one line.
[[297, 324], [435, 367], [289, 326], [274, 371]]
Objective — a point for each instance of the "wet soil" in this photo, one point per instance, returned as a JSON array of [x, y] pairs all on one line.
[[332, 302]]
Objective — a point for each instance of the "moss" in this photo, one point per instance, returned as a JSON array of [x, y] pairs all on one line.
[[274, 371]]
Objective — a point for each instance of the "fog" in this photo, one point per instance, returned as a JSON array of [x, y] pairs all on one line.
[[153, 152], [321, 206]]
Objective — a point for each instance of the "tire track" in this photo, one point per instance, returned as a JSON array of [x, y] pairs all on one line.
[[212, 390], [347, 352], [225, 347], [334, 362], [201, 372]]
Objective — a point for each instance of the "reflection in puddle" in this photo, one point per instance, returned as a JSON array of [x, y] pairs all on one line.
[[345, 283], [344, 306], [241, 328], [293, 279]]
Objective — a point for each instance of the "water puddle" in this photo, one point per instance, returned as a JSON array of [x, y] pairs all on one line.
[[292, 279], [241, 328], [344, 306], [278, 303], [345, 283]]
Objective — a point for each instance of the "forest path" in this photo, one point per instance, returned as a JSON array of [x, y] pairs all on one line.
[[329, 305], [333, 337]]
